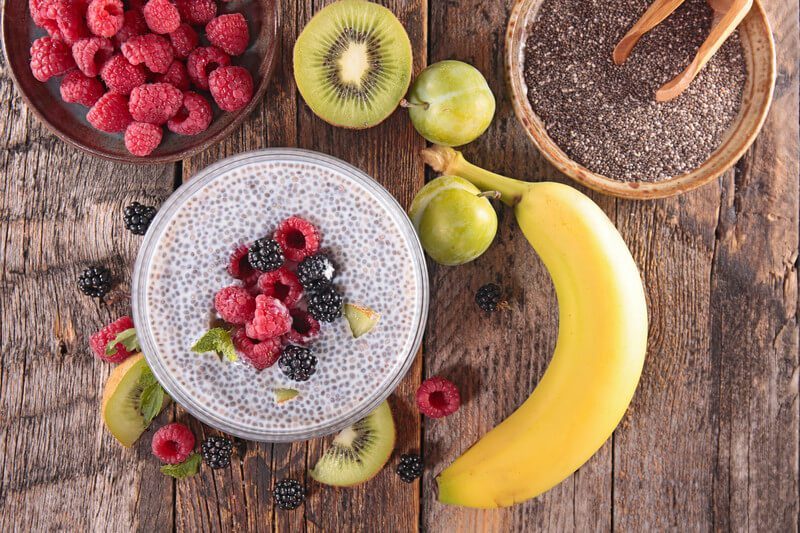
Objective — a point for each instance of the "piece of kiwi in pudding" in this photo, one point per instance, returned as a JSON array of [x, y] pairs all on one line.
[[352, 63]]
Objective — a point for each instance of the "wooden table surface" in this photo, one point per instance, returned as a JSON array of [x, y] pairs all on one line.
[[711, 439]]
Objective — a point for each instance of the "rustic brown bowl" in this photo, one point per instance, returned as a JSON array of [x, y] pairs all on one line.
[[68, 121], [759, 51]]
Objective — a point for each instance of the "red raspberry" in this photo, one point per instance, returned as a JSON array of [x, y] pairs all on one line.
[[105, 17], [142, 138], [152, 50], [176, 76], [192, 118], [120, 76], [281, 284], [155, 103], [203, 61], [137, 5], [184, 40], [51, 27], [161, 16], [173, 443], [42, 11], [91, 53], [259, 354], [304, 328], [134, 25], [271, 319], [99, 341], [235, 305], [238, 264], [230, 33], [231, 87], [110, 113], [71, 20], [298, 238], [438, 397], [50, 57], [77, 88], [197, 11]]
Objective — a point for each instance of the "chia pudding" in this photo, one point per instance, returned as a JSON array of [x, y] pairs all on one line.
[[183, 263], [604, 116]]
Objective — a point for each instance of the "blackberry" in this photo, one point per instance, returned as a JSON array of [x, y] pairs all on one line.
[[325, 305], [138, 217], [95, 281], [297, 363], [315, 272], [266, 255], [289, 494], [488, 297], [410, 467], [216, 452]]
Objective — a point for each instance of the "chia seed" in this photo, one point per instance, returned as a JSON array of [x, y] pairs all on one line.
[[605, 117]]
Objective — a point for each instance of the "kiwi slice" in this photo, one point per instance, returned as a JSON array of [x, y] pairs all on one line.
[[360, 318], [352, 63], [284, 395], [359, 451]]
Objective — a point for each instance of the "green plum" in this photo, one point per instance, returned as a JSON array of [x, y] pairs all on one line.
[[450, 103], [455, 222]]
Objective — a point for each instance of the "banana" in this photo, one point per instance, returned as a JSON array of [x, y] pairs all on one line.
[[599, 354]]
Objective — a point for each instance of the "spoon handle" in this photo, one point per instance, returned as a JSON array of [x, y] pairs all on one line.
[[657, 12]]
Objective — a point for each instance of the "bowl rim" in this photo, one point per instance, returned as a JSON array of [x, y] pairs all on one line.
[[636, 190], [269, 60]]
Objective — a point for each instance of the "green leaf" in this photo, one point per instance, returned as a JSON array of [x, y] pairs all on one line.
[[216, 340], [152, 398], [127, 338], [185, 469]]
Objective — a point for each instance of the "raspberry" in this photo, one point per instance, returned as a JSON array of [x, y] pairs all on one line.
[[298, 238], [281, 284], [91, 53], [161, 16], [202, 61], [99, 341], [259, 354], [133, 24], [142, 138], [51, 27], [176, 76], [110, 113], [231, 87], [120, 76], [76, 88], [235, 305], [50, 57], [438, 397], [304, 328], [184, 40], [155, 103], [271, 319], [71, 20], [152, 50], [42, 12], [105, 17], [173, 443], [238, 265], [197, 11], [193, 117], [230, 33]]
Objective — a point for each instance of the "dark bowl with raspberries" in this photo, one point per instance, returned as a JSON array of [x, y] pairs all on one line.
[[141, 81]]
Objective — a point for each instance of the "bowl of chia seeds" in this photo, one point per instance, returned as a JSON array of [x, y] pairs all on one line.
[[600, 123]]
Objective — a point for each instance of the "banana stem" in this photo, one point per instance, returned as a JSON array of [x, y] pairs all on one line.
[[445, 160]]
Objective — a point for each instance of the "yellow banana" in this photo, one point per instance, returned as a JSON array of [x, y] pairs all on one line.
[[598, 358]]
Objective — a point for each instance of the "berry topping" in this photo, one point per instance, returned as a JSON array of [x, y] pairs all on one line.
[[100, 340], [76, 88], [298, 238], [184, 40], [488, 297], [95, 281], [266, 255], [70, 20], [120, 76], [134, 24], [229, 33], [197, 11], [325, 305], [173, 443], [176, 76], [151, 49], [193, 117], [155, 103], [438, 397], [137, 217], [91, 53], [410, 467], [315, 272], [281, 284], [235, 305], [231, 87], [161, 16], [271, 319], [141, 138], [110, 113], [238, 265], [105, 17], [42, 11], [288, 494], [304, 328], [297, 363], [262, 354], [202, 61], [216, 452], [50, 57]]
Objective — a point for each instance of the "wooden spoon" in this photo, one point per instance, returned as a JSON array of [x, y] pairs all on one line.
[[655, 14]]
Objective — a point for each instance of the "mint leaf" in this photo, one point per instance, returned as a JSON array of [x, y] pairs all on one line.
[[185, 469], [216, 340], [127, 338], [151, 399]]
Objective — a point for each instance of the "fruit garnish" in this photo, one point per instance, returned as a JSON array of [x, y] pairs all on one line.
[[438, 397], [266, 255], [235, 305], [305, 328], [281, 284], [216, 452], [352, 63], [410, 467], [270, 320], [137, 217], [298, 238], [173, 443], [450, 103], [260, 354], [288, 494], [315, 272], [360, 318], [185, 469], [126, 338], [285, 395], [359, 451], [115, 342], [217, 340], [297, 363], [151, 399], [95, 281], [325, 304], [488, 297]]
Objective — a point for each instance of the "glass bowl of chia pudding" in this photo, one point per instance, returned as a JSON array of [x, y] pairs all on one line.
[[183, 262]]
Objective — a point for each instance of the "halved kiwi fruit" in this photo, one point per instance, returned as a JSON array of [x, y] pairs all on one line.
[[352, 63], [359, 451]]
